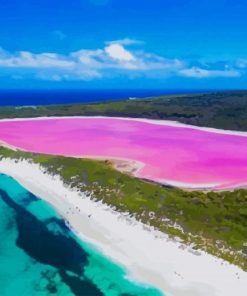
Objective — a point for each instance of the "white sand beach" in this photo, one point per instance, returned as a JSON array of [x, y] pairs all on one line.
[[149, 256]]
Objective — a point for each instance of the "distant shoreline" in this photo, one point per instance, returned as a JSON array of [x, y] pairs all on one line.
[[17, 98]]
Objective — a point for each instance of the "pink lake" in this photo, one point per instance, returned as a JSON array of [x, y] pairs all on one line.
[[175, 155]]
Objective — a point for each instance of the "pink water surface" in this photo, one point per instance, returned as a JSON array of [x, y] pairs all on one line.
[[169, 153]]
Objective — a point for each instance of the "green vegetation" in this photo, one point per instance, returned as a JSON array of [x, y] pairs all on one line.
[[225, 110], [211, 221]]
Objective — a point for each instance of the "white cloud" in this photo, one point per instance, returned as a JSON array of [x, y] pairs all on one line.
[[78, 75], [90, 58], [148, 62], [196, 72], [118, 52], [110, 61], [25, 59]]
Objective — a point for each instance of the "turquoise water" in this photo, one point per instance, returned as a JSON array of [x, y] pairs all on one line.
[[40, 256]]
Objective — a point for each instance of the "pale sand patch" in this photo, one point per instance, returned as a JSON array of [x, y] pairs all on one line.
[[130, 167], [127, 166], [148, 255], [8, 146]]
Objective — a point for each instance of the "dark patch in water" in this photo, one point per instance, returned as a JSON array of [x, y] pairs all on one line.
[[58, 250], [78, 286], [10, 224], [50, 277]]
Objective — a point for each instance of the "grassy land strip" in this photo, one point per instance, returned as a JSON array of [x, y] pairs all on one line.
[[226, 110], [213, 221]]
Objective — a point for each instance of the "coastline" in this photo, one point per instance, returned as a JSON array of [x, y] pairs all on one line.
[[172, 267]]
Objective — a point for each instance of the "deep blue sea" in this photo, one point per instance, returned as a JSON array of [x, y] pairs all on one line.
[[44, 97], [40, 256]]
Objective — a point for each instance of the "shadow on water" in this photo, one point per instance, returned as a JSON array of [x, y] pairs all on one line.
[[58, 250], [77, 286]]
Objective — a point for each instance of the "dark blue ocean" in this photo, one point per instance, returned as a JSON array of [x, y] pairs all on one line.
[[44, 97]]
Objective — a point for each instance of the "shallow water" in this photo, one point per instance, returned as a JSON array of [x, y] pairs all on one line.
[[40, 256]]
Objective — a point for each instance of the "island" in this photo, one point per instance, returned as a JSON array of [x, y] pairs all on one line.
[[166, 200]]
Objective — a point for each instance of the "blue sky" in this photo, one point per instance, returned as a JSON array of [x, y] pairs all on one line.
[[169, 44]]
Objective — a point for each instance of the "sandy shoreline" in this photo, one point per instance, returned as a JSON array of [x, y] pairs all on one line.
[[149, 256], [8, 146]]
